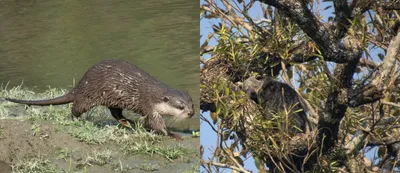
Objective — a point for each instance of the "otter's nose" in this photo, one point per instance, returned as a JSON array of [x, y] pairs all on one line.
[[191, 113]]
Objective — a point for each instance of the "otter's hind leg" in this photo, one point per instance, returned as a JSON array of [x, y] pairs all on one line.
[[78, 108], [157, 124], [117, 114]]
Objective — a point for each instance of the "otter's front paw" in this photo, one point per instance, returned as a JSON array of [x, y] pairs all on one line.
[[124, 122]]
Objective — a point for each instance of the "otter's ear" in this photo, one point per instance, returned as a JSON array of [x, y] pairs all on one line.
[[165, 99], [258, 77]]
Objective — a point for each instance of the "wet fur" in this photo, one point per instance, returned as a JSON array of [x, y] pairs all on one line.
[[119, 85]]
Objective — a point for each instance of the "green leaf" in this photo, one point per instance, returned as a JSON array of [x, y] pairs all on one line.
[[202, 12], [227, 90], [214, 117]]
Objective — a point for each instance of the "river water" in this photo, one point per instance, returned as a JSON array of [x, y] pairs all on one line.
[[53, 42]]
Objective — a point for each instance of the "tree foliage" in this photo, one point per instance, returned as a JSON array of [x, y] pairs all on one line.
[[345, 70]]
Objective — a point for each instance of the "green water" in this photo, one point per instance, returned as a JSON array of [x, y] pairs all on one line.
[[53, 42]]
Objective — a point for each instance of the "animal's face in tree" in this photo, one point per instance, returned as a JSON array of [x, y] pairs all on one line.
[[252, 86]]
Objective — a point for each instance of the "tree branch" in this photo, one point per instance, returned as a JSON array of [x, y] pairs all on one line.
[[305, 19], [343, 12], [206, 49], [364, 62], [364, 95], [388, 63], [221, 165], [391, 6], [385, 141]]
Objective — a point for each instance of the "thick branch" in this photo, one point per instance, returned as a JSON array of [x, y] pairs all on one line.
[[305, 19], [366, 94], [342, 18], [336, 106]]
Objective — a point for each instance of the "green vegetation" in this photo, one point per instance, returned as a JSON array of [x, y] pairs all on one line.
[[100, 138], [148, 167], [63, 153], [1, 133], [193, 169], [36, 164], [99, 158], [195, 134], [170, 152]]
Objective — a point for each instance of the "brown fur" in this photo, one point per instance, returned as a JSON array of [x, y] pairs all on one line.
[[119, 85]]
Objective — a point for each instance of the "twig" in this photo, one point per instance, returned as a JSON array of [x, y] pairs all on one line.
[[262, 21], [202, 60], [206, 50], [221, 165], [364, 62], [209, 123], [391, 104], [382, 142]]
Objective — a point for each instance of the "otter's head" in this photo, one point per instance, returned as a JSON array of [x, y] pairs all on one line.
[[175, 103], [252, 85]]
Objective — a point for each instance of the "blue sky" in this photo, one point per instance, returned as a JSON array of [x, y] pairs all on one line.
[[208, 137]]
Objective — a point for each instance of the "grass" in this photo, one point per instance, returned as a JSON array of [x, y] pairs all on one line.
[[35, 129], [129, 141], [192, 169], [148, 167], [34, 165], [100, 158], [64, 153], [2, 135], [85, 131], [169, 152], [196, 134]]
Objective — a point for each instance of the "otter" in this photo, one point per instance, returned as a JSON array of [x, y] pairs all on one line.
[[119, 85], [276, 96]]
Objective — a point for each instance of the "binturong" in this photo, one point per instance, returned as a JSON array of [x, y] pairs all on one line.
[[275, 97], [118, 85]]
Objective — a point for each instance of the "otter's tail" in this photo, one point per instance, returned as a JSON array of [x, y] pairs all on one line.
[[67, 98]]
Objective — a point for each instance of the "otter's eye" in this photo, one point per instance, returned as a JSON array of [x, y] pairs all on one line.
[[165, 99], [181, 107]]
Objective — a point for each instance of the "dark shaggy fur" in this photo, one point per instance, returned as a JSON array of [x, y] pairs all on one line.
[[274, 97], [119, 85]]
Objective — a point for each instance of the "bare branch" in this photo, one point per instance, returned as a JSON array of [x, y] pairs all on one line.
[[391, 6], [391, 104], [202, 60], [388, 62], [364, 95], [388, 120], [206, 49], [385, 141], [364, 62], [221, 165], [373, 39], [356, 142], [262, 21]]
